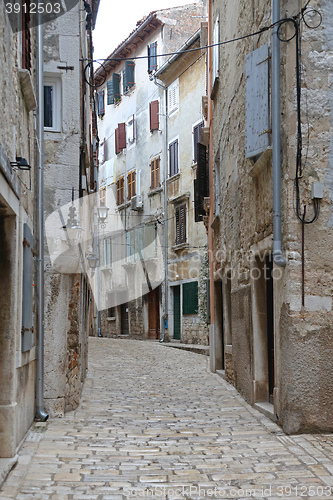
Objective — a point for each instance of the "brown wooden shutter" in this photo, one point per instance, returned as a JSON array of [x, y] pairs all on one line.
[[26, 37], [122, 136], [116, 136], [157, 172], [177, 215], [152, 172], [182, 217], [180, 214], [154, 118]]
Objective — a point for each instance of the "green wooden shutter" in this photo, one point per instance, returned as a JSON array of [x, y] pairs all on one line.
[[116, 86], [190, 298], [152, 57], [110, 94], [128, 76]]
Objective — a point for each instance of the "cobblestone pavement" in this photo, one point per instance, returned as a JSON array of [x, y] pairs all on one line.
[[155, 423]]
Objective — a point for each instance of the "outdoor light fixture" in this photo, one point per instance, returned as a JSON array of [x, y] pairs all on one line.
[[92, 260], [72, 226], [20, 163], [102, 213]]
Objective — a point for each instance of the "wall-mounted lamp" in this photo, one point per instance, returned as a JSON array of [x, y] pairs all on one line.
[[20, 163], [102, 213], [72, 226], [92, 260]]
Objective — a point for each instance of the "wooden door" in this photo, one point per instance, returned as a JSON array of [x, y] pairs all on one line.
[[154, 314], [176, 312]]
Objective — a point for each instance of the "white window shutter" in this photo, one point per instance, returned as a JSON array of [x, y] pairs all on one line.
[[216, 50]]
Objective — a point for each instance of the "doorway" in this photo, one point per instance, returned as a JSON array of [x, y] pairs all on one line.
[[124, 319], [176, 313], [219, 327], [263, 328], [270, 324], [154, 314]]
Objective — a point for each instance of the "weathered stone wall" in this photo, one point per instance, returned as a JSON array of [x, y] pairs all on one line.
[[66, 311], [303, 399]]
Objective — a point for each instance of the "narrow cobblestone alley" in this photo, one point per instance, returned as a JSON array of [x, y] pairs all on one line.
[[155, 423]]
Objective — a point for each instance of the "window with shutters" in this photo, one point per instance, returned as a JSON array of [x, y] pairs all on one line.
[[173, 158], [196, 139], [131, 185], [102, 196], [154, 116], [190, 298], [173, 97], [120, 137], [120, 191], [128, 76], [113, 89], [107, 252], [26, 36], [257, 112], [180, 216], [155, 173], [52, 104], [100, 103], [152, 57], [201, 183]]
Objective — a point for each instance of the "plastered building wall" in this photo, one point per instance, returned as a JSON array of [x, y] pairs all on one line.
[[174, 27], [184, 264], [302, 399]]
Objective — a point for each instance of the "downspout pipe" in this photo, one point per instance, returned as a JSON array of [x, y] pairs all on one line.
[[41, 414], [165, 193], [278, 257]]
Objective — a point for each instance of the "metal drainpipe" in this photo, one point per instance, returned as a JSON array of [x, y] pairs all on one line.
[[41, 415], [165, 192], [276, 138]]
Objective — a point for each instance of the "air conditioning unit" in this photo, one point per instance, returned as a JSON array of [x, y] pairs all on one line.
[[137, 202]]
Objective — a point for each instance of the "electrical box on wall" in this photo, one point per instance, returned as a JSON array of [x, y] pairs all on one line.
[[317, 191]]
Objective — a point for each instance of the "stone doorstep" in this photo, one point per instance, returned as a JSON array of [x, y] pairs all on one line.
[[197, 348], [6, 465]]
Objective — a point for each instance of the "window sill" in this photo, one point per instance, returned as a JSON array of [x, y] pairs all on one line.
[[27, 89], [173, 178], [155, 191], [123, 206], [181, 246], [179, 199], [261, 162], [111, 319]]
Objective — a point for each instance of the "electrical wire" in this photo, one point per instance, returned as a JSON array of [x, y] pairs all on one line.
[[101, 62], [295, 21], [299, 163]]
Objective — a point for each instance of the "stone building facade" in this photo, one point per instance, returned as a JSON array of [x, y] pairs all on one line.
[[132, 165], [18, 240], [271, 321], [69, 174], [185, 89]]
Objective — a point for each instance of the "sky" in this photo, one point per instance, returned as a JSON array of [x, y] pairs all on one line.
[[116, 20]]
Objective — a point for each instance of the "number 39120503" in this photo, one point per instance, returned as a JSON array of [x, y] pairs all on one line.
[[33, 8]]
